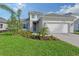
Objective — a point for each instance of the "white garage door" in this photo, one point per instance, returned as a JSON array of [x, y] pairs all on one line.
[[57, 28]]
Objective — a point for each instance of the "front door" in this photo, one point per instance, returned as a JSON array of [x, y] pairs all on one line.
[[34, 26]]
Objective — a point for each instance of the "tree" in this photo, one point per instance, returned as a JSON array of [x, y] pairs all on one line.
[[43, 31], [14, 19], [18, 16], [12, 23], [7, 8]]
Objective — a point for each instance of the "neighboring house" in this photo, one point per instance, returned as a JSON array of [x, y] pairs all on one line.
[[54, 22], [3, 24]]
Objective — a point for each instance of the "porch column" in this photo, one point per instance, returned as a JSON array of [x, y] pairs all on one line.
[[31, 25], [69, 28]]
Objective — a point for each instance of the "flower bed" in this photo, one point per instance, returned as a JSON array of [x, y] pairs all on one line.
[[43, 37], [36, 36]]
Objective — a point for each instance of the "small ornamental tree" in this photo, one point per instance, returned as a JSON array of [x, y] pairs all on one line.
[[43, 31], [18, 15], [13, 24]]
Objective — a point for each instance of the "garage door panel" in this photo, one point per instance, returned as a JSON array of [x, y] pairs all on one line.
[[58, 28]]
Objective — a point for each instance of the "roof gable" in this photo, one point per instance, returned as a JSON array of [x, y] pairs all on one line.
[[57, 17]]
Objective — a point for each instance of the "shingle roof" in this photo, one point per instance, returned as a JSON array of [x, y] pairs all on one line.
[[35, 12], [58, 17], [3, 20]]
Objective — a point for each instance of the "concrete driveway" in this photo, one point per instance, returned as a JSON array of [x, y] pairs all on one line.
[[70, 38]]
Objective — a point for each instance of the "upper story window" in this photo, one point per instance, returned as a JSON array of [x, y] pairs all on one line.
[[1, 25], [33, 16]]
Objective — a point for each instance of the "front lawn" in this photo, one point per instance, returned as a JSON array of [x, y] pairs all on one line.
[[16, 45]]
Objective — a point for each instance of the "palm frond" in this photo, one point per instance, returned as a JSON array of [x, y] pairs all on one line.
[[7, 8]]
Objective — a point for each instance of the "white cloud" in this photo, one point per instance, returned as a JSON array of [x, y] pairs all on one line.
[[50, 12], [63, 9], [18, 6], [67, 9], [15, 9]]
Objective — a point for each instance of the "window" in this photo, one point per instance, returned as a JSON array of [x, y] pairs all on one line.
[[33, 16], [25, 26], [1, 25]]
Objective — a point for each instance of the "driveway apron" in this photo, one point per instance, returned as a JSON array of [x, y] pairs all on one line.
[[70, 38]]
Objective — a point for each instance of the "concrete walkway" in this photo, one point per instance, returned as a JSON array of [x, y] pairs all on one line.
[[70, 38]]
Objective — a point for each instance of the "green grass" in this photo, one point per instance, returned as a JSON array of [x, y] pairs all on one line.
[[16, 45]]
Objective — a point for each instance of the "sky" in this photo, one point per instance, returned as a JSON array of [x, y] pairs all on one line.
[[59, 8]]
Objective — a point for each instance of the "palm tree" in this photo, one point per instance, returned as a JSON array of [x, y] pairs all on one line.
[[18, 16], [17, 13], [7, 8]]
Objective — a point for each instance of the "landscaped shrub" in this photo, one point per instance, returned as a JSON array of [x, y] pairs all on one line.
[[29, 34], [23, 33], [35, 37], [43, 37], [43, 31]]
